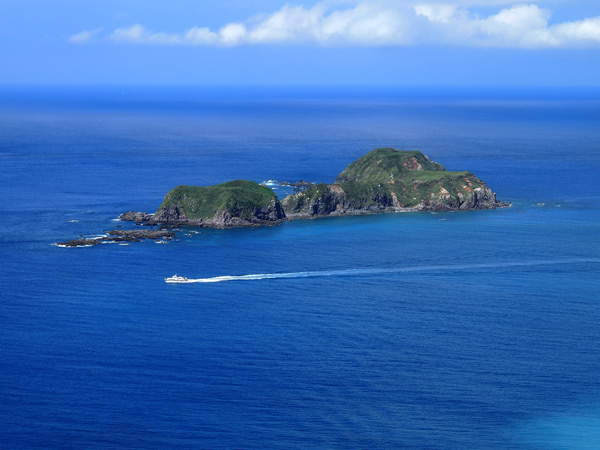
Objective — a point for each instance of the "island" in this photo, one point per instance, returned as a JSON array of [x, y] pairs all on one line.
[[232, 204], [384, 180], [389, 180]]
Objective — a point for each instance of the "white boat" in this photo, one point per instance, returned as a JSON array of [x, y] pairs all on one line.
[[176, 279]]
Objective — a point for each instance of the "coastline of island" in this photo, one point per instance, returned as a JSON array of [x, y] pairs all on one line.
[[383, 181]]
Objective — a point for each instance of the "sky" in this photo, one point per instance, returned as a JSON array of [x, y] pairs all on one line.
[[329, 42]]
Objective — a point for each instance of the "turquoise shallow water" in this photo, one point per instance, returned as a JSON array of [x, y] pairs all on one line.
[[450, 330]]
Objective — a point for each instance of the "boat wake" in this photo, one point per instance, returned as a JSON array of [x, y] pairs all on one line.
[[377, 271]]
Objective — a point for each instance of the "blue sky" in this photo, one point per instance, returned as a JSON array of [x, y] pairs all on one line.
[[329, 42]]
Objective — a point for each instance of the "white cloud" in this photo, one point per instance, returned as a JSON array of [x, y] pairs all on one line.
[[577, 32], [437, 13], [289, 23], [84, 36], [517, 26], [200, 36], [383, 22], [367, 24], [137, 34], [232, 34]]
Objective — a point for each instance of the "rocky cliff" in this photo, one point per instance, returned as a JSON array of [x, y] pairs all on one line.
[[389, 180], [232, 204]]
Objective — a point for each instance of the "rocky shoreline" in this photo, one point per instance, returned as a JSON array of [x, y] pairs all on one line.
[[174, 216], [385, 180], [173, 220], [119, 236], [334, 201]]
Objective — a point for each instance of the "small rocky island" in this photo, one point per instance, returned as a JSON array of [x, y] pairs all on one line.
[[384, 180], [389, 180], [119, 236], [233, 204]]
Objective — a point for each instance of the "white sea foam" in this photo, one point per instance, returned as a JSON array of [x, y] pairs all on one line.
[[377, 271], [71, 246]]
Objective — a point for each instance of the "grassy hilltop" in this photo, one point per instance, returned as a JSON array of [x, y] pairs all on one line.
[[387, 180], [384, 165], [240, 197], [234, 203]]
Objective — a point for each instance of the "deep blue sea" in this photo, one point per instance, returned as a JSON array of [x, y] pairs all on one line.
[[464, 330]]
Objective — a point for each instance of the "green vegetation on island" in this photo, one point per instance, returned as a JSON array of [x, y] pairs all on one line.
[[384, 165], [384, 180], [240, 197], [234, 203], [387, 180]]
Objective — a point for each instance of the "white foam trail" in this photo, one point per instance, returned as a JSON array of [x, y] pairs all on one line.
[[377, 271]]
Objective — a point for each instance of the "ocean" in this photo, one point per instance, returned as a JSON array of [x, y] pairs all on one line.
[[411, 330]]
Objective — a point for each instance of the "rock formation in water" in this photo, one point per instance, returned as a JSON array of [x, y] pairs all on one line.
[[232, 204], [119, 236], [384, 180], [389, 180]]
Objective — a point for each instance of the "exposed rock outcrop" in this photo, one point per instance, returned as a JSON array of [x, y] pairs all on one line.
[[479, 198], [388, 180], [143, 234], [88, 242], [233, 204], [118, 236], [135, 216]]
